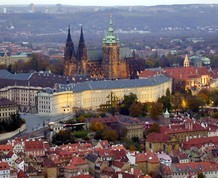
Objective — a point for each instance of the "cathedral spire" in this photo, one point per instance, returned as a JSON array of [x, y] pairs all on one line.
[[81, 52], [81, 39], [69, 53], [69, 39]]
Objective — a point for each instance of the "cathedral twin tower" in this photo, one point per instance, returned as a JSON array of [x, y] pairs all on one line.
[[110, 66]]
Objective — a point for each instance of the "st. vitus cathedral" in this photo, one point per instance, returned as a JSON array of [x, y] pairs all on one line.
[[109, 66]]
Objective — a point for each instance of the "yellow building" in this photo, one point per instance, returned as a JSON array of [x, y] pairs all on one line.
[[161, 142], [90, 95], [172, 136], [7, 108], [147, 162]]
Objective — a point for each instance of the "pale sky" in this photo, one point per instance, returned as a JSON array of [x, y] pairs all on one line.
[[109, 2]]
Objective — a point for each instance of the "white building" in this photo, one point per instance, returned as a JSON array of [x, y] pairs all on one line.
[[23, 96], [90, 95], [4, 170]]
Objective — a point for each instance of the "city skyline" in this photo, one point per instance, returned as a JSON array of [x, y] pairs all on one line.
[[109, 3]]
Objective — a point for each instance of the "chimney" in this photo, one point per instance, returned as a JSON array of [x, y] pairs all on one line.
[[132, 170], [120, 175]]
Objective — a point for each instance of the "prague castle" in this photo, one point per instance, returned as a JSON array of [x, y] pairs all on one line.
[[110, 64]]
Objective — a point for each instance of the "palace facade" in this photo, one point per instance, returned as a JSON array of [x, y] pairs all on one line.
[[91, 94]]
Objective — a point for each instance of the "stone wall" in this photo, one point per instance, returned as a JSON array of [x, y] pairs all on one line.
[[8, 135]]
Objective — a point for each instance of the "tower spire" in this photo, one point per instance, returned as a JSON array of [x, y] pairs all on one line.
[[82, 54], [69, 53], [186, 62], [110, 38], [69, 35]]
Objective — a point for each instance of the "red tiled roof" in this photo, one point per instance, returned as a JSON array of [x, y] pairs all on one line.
[[108, 171], [105, 144], [158, 137], [4, 166], [195, 167], [120, 155], [22, 174], [180, 128], [77, 161], [199, 142], [182, 73], [124, 174], [105, 153], [6, 148], [33, 145], [118, 164], [82, 176], [147, 157]]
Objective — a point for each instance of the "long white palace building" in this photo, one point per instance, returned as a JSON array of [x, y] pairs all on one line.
[[91, 94]]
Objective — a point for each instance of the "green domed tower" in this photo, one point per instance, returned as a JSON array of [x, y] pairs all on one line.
[[110, 49]]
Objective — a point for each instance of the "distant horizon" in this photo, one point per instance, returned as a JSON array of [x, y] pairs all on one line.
[[109, 3]]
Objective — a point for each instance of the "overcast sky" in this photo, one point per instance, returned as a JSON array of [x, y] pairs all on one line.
[[108, 2]]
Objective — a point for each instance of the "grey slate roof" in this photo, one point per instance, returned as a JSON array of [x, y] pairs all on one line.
[[96, 54], [114, 84], [4, 74]]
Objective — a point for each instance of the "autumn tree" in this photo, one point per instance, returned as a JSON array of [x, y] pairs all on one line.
[[57, 67], [204, 94], [136, 109], [155, 109], [110, 135], [201, 175], [154, 128], [38, 62], [97, 126], [132, 147]]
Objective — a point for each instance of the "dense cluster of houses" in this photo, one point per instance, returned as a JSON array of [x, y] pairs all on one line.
[[183, 148]]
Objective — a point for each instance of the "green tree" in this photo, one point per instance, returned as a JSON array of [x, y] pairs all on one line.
[[176, 101], [127, 102], [63, 137], [98, 135], [166, 100], [215, 115], [193, 103]]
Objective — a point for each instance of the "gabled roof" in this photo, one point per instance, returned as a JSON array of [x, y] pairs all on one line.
[[147, 157], [4, 166], [22, 174], [118, 164], [120, 155], [4, 148]]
